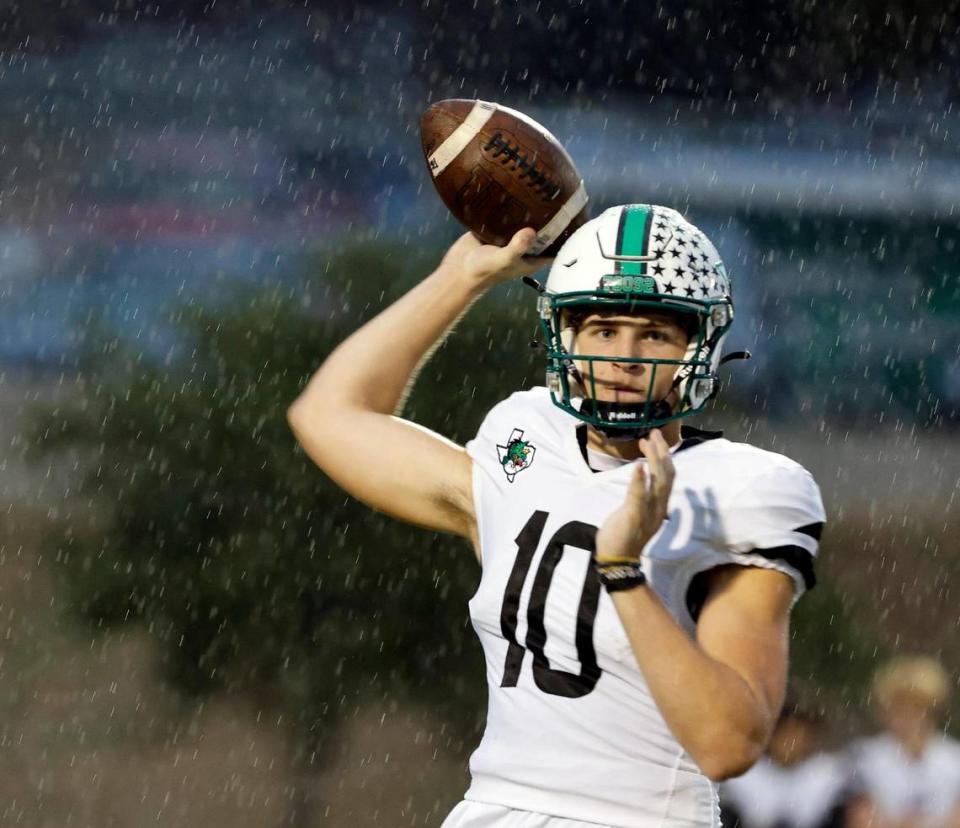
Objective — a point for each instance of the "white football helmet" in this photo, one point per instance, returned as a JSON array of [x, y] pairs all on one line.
[[633, 257]]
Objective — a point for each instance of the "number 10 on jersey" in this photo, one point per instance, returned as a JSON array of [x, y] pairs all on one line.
[[549, 680]]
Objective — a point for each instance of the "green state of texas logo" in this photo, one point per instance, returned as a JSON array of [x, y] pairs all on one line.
[[516, 455]]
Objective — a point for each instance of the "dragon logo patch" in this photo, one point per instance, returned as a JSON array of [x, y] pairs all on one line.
[[516, 455]]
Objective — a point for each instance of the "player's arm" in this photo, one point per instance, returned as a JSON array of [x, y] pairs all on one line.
[[720, 693], [344, 419]]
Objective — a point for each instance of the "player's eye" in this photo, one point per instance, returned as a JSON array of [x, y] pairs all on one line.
[[669, 336], [606, 334]]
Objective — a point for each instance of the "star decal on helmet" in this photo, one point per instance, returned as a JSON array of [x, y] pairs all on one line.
[[516, 455], [679, 261]]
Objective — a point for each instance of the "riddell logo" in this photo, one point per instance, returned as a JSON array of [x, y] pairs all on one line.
[[621, 415]]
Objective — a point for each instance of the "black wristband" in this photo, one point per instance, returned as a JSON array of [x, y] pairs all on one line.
[[619, 575]]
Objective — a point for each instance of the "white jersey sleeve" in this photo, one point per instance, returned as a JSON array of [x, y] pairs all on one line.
[[775, 521], [746, 507]]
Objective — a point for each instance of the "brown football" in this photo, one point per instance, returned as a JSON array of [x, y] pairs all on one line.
[[499, 171]]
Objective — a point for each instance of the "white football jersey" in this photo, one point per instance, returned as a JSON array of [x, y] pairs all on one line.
[[572, 729], [801, 796], [903, 787]]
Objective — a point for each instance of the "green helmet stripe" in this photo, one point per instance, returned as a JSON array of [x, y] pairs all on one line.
[[633, 238]]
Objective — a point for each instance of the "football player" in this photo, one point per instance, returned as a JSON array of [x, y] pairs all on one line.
[[637, 578], [908, 775], [794, 785]]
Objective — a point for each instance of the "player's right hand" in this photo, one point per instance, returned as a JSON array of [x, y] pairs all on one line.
[[630, 528], [485, 265]]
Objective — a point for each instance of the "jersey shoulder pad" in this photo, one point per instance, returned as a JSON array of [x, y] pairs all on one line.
[[770, 508], [770, 498], [515, 430], [531, 412], [533, 402]]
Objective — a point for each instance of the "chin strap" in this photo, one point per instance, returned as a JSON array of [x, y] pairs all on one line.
[[735, 355], [731, 357], [620, 415]]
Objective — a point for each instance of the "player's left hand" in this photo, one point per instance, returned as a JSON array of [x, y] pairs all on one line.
[[629, 528]]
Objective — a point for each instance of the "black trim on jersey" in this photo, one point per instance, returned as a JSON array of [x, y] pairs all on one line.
[[582, 442], [793, 556], [697, 594], [811, 530], [692, 436], [796, 557]]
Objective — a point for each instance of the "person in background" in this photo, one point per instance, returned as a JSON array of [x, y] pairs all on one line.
[[793, 785], [908, 775]]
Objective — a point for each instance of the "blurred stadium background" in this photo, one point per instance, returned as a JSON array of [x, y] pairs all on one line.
[[200, 199]]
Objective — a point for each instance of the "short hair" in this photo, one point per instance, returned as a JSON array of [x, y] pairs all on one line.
[[919, 676]]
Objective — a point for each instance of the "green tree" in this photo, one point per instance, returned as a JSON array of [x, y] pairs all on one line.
[[245, 562]]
